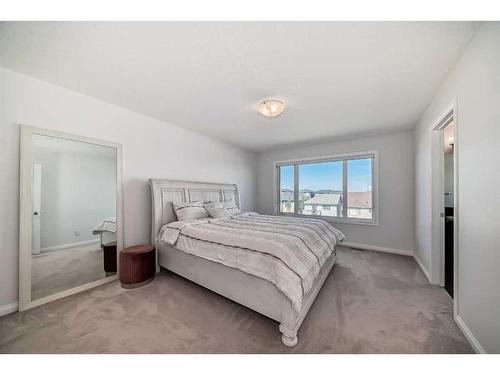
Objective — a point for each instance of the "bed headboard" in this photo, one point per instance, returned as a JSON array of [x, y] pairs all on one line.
[[166, 192]]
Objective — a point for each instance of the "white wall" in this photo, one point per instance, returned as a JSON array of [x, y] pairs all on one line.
[[78, 191], [475, 84], [395, 159], [151, 149]]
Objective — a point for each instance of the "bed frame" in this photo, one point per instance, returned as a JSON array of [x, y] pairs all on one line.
[[248, 290]]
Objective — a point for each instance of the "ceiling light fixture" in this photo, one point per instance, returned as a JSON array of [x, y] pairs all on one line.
[[271, 107]]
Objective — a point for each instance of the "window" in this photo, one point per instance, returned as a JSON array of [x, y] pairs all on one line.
[[359, 188], [340, 187], [287, 190], [323, 182]]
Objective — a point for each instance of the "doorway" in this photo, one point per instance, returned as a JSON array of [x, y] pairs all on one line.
[[449, 205], [445, 203]]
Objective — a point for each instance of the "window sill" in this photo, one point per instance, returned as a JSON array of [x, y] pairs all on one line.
[[333, 219]]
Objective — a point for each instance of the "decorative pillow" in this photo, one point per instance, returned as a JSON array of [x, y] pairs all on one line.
[[190, 211], [230, 206], [217, 212]]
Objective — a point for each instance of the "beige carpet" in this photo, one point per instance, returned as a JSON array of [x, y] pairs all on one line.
[[371, 303], [59, 270]]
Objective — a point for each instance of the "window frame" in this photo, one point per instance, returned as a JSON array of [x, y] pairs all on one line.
[[344, 157]]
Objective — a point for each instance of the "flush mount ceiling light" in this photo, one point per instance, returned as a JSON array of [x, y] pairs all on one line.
[[271, 107]]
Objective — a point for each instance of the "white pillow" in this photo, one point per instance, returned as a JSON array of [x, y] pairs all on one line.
[[190, 211], [230, 206], [217, 212]]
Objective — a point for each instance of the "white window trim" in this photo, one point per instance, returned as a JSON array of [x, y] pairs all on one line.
[[335, 157]]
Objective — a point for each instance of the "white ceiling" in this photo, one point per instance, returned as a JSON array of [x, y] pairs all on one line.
[[339, 79]]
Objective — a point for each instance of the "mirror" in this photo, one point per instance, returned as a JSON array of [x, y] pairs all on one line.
[[70, 214]]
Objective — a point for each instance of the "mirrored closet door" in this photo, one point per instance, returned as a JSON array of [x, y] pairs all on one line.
[[70, 214]]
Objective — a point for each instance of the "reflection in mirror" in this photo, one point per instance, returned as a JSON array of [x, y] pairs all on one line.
[[73, 214]]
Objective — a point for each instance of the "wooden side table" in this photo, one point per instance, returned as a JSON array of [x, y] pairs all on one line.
[[137, 266]]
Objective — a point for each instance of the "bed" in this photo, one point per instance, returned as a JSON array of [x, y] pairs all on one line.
[[257, 293], [107, 233], [106, 230]]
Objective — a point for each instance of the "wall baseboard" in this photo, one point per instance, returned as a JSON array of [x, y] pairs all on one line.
[[458, 320], [10, 308], [376, 248], [469, 336], [424, 270], [70, 245]]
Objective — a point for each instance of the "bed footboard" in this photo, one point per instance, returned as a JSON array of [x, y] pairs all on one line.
[[250, 291], [290, 320]]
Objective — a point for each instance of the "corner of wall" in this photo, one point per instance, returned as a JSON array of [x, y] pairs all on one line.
[[473, 341]]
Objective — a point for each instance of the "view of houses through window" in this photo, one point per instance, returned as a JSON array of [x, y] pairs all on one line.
[[320, 187], [287, 189], [322, 190], [359, 189]]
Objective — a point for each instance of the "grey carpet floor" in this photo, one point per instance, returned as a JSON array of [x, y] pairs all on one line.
[[371, 303], [59, 270]]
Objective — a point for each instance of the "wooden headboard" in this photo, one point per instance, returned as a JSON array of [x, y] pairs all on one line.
[[166, 192]]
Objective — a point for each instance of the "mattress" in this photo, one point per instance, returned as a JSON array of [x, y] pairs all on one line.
[[288, 252]]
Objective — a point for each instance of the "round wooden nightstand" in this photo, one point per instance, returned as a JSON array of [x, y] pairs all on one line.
[[137, 266]]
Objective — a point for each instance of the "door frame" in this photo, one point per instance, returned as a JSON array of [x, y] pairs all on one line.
[[26, 213], [438, 222], [37, 175]]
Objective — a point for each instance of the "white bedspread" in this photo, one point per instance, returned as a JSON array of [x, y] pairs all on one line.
[[286, 251]]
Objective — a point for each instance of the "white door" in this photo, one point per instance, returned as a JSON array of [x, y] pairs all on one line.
[[37, 204]]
